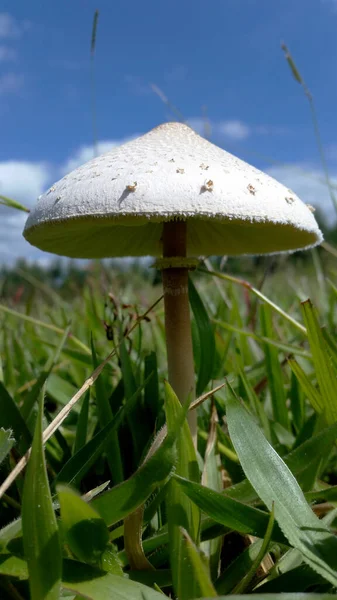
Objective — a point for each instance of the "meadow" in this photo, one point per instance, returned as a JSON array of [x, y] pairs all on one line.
[[110, 506], [103, 494]]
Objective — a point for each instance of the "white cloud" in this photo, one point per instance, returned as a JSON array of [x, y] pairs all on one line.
[[10, 83], [235, 129], [308, 184], [11, 28], [7, 54], [85, 153], [24, 182]]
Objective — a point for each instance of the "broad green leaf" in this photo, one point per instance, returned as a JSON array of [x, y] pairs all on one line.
[[229, 512], [6, 443], [206, 338], [301, 462], [124, 498], [274, 483], [94, 584], [84, 530], [324, 368], [39, 527]]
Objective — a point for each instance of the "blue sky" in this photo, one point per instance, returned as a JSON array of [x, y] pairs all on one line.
[[222, 54]]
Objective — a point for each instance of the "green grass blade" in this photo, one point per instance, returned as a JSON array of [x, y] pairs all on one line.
[[35, 392], [325, 372], [311, 392], [229, 512], [181, 511], [206, 338], [80, 463], [274, 370], [151, 389], [243, 584], [274, 482], [300, 461], [136, 418], [6, 443], [238, 569], [105, 415], [197, 581], [5, 201], [82, 424], [11, 418], [94, 584], [39, 527], [126, 497]]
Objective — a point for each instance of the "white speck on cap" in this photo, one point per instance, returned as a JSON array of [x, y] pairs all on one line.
[[94, 213]]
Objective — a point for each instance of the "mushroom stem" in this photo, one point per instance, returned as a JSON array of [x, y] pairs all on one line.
[[178, 319]]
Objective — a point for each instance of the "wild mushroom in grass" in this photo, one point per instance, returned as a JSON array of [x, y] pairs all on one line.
[[173, 195]]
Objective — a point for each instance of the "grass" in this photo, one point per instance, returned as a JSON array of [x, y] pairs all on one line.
[[109, 505], [102, 492]]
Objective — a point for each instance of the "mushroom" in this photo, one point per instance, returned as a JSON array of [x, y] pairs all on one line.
[[173, 195]]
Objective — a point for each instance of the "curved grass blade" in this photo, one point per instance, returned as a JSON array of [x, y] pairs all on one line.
[[274, 482], [39, 527], [94, 584], [238, 569], [243, 584], [230, 512]]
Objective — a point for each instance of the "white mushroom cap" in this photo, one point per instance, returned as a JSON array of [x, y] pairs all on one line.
[[115, 205]]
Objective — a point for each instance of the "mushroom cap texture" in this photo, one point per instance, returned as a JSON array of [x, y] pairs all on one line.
[[115, 205]]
